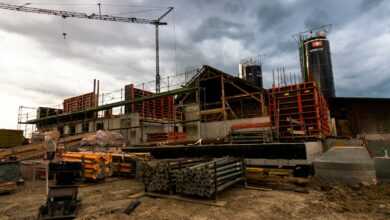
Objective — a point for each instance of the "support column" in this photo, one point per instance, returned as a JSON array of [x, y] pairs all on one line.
[[223, 98]]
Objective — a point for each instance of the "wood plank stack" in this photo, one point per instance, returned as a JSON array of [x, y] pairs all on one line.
[[24, 152]]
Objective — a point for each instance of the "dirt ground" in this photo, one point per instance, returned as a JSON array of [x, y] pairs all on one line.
[[108, 200]]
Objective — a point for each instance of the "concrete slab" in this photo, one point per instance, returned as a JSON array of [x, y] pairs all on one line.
[[349, 165], [382, 167]]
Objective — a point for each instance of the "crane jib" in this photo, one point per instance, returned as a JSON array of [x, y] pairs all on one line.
[[70, 14]]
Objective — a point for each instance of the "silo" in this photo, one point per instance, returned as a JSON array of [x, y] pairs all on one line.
[[316, 62]]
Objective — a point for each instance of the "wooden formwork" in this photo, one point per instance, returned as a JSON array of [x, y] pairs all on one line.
[[299, 112]]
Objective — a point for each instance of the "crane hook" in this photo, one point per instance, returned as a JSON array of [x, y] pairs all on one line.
[[64, 35]]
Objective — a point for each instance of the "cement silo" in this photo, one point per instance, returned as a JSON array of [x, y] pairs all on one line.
[[316, 62]]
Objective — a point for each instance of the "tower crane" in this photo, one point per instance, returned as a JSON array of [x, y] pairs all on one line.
[[103, 17]]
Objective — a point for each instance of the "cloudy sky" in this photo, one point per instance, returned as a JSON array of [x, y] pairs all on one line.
[[38, 67]]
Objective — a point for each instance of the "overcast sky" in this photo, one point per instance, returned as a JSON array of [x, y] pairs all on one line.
[[39, 68]]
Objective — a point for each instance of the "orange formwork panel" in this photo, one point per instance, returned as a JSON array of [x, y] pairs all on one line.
[[159, 108], [79, 103], [299, 112]]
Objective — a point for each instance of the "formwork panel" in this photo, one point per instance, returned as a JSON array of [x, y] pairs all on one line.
[[80, 103], [299, 112]]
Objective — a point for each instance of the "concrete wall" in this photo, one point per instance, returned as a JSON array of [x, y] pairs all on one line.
[[191, 112], [359, 116], [79, 128], [220, 129], [66, 130]]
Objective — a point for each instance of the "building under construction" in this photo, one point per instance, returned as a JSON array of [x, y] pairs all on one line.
[[210, 106]]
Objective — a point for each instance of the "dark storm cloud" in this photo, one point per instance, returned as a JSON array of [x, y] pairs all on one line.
[[260, 26], [271, 13], [367, 5], [216, 28], [316, 18], [235, 7]]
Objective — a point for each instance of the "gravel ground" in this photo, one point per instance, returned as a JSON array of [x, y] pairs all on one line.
[[108, 200]]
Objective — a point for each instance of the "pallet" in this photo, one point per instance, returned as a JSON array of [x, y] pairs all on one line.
[[185, 199]]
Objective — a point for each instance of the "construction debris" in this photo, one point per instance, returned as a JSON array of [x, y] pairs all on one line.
[[132, 206], [103, 139]]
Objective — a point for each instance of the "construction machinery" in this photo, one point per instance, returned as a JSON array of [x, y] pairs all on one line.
[[62, 199], [102, 17]]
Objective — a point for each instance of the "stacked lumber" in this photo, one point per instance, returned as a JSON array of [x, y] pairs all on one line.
[[95, 165]]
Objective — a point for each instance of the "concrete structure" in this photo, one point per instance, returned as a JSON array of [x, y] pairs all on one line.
[[204, 108], [361, 116], [350, 165], [382, 167]]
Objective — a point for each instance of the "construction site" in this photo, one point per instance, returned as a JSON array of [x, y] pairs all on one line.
[[203, 144]]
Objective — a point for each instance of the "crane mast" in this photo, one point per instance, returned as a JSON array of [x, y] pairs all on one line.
[[102, 17]]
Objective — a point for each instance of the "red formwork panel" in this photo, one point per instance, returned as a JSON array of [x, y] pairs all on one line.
[[299, 112], [159, 108], [79, 103]]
